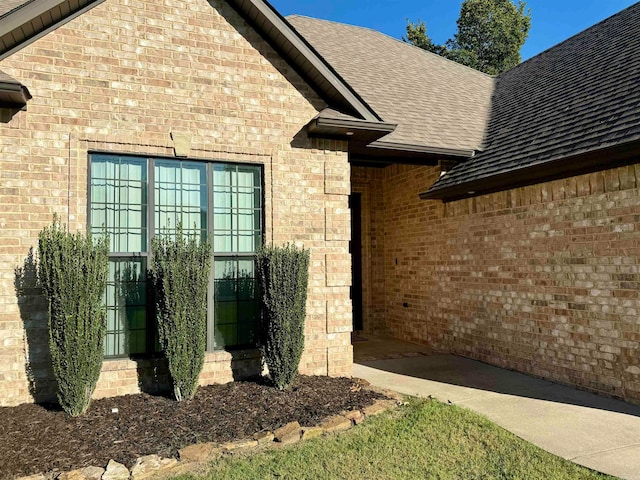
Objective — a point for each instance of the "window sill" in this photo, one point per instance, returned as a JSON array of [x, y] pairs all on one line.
[[134, 361]]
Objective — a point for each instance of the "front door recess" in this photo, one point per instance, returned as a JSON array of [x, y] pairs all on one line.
[[355, 204]]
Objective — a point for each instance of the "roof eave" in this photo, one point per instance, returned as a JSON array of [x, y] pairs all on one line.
[[350, 129], [13, 95], [462, 153], [15, 20], [558, 168], [21, 15]]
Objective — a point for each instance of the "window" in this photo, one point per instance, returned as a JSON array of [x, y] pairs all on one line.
[[237, 234], [134, 198]]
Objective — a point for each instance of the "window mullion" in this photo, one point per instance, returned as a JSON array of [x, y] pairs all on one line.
[[150, 191], [151, 201], [211, 328]]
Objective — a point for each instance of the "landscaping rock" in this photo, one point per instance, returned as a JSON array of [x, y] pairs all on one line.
[[397, 396], [337, 423], [290, 433], [115, 471], [37, 476], [87, 473], [200, 452], [378, 407], [149, 465], [207, 418], [239, 445], [264, 437], [355, 416], [311, 432]]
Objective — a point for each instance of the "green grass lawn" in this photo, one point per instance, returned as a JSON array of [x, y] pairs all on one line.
[[424, 439]]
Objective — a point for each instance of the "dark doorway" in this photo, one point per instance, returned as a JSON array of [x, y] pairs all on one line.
[[355, 247]]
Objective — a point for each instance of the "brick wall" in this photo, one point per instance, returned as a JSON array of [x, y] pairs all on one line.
[[368, 183], [121, 78], [543, 279]]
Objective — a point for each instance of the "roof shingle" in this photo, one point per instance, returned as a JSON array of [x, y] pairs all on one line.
[[579, 96], [435, 102], [7, 6]]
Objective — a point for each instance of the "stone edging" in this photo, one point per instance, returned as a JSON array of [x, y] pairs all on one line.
[[194, 455]]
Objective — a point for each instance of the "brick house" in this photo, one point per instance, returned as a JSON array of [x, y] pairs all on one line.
[[492, 217]]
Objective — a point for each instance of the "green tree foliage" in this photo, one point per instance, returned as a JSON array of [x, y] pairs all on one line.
[[72, 270], [180, 274], [489, 38], [417, 36], [283, 273]]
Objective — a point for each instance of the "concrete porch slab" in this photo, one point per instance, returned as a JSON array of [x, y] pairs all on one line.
[[594, 431]]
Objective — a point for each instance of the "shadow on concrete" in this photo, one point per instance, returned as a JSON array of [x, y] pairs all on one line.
[[34, 313], [452, 370]]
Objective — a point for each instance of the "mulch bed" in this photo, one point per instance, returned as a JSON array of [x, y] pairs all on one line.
[[39, 438]]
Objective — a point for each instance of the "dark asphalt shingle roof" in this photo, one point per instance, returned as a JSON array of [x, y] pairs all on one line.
[[434, 101], [579, 96]]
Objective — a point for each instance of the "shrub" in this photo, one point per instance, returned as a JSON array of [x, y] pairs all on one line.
[[283, 273], [180, 274], [72, 270]]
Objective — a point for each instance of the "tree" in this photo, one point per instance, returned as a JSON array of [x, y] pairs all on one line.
[[417, 35], [489, 38]]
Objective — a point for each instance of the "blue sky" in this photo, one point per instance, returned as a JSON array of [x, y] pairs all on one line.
[[552, 20]]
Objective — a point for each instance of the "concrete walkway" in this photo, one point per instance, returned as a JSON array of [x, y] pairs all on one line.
[[597, 432]]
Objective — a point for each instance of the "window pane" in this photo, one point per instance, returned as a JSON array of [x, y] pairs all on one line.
[[237, 197], [246, 220], [125, 300], [222, 198], [222, 174], [222, 243], [246, 242], [236, 306], [180, 195], [226, 335], [248, 177], [237, 224], [118, 201], [248, 318]]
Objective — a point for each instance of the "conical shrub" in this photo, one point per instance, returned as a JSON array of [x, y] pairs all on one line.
[[180, 273], [72, 271], [283, 274]]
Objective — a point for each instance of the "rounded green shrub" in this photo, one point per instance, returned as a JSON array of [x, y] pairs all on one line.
[[72, 271], [283, 274], [180, 273]]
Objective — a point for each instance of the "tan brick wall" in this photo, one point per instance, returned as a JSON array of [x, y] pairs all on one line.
[[121, 78], [543, 279]]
